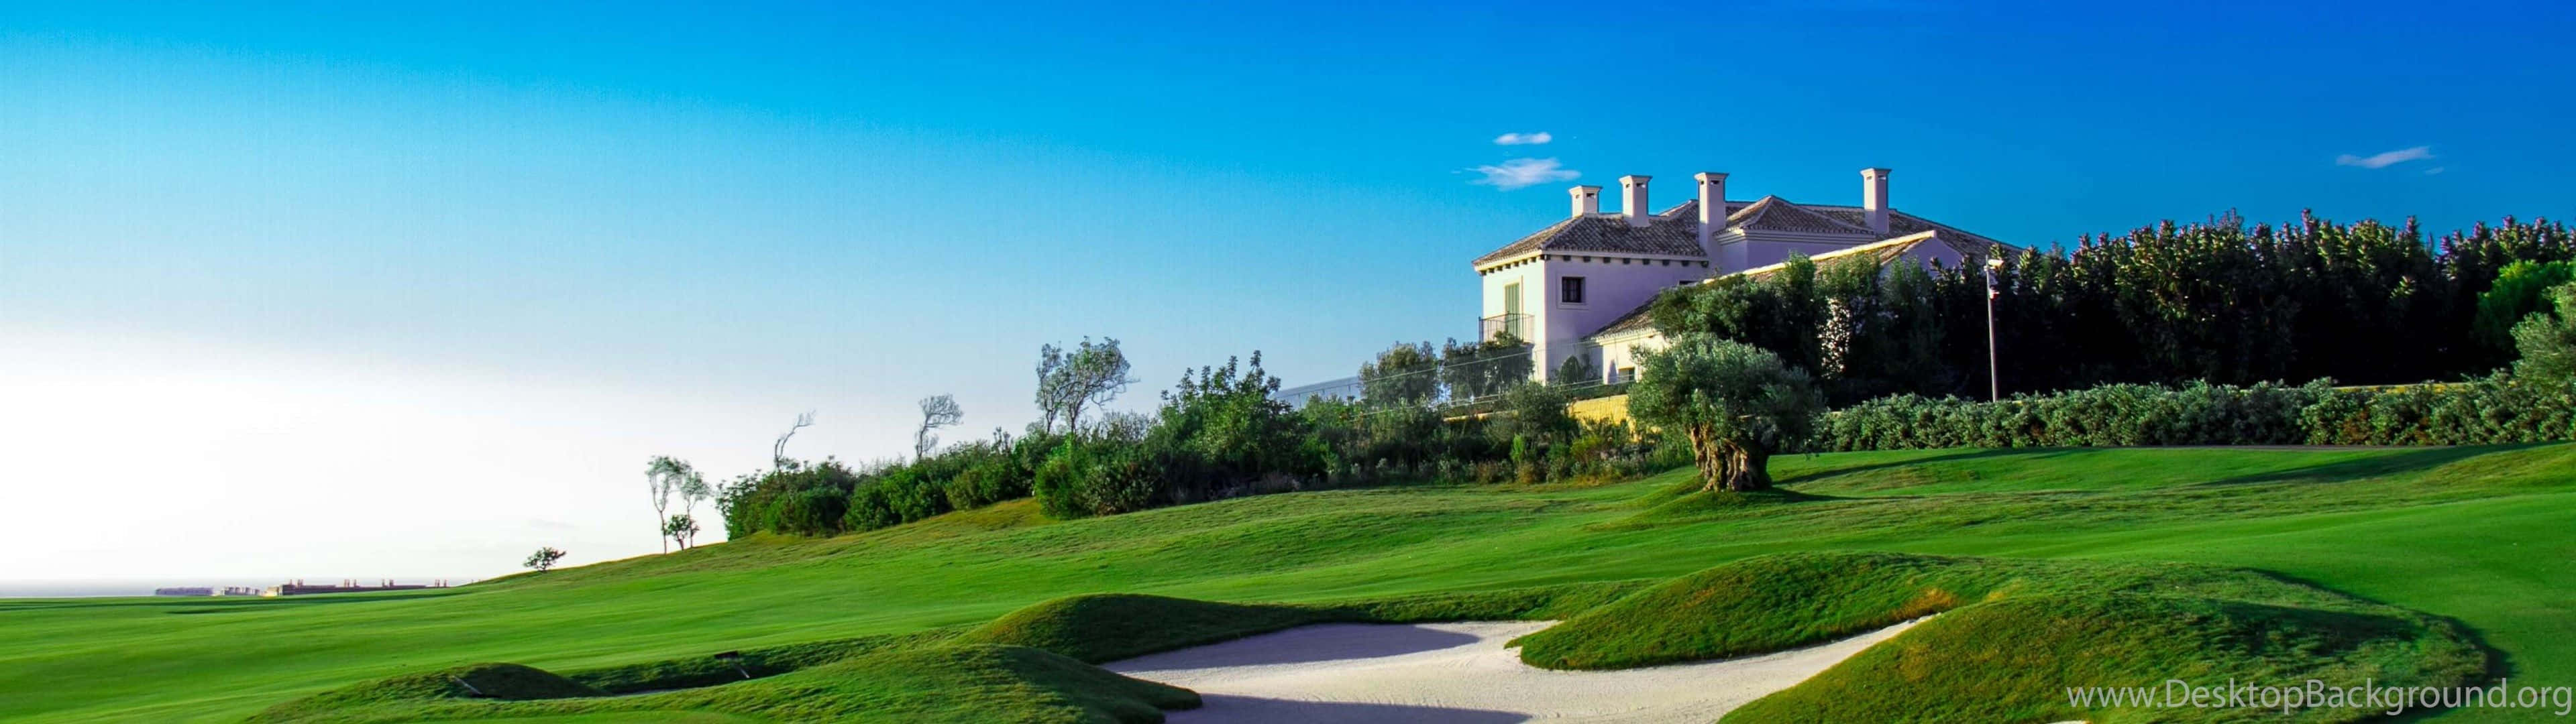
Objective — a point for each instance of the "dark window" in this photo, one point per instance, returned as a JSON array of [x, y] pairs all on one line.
[[1571, 291]]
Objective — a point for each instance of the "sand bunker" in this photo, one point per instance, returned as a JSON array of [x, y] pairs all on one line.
[[1457, 672]]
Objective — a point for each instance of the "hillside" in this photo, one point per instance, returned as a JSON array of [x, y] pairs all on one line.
[[2473, 534]]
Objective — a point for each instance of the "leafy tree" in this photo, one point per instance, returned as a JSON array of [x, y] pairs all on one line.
[[1069, 380], [1407, 374], [1486, 368], [1577, 368], [543, 559], [682, 528], [1227, 417], [1535, 411], [2521, 288], [1735, 403], [2548, 341], [937, 411], [664, 476]]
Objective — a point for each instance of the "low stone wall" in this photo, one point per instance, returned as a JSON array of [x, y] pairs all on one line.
[[1602, 409]]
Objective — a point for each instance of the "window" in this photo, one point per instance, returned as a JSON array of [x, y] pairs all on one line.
[[1570, 290]]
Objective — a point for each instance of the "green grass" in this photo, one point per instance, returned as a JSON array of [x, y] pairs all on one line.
[[967, 682], [2010, 660], [2012, 634], [2479, 535]]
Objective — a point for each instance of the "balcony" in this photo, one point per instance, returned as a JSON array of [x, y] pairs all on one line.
[[1516, 325]]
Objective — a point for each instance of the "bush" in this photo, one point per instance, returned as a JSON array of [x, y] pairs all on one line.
[[989, 481], [2489, 411], [1057, 483], [2547, 339]]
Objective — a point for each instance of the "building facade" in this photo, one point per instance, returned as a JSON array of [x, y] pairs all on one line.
[[1581, 287]]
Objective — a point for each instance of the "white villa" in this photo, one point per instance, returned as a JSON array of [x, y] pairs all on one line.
[[1581, 286]]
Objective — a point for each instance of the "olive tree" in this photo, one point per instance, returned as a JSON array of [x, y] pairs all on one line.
[[2548, 341], [1736, 403]]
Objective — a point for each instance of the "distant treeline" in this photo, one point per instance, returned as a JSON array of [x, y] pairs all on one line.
[[2221, 302]]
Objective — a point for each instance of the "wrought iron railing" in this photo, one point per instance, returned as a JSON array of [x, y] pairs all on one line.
[[1517, 325]]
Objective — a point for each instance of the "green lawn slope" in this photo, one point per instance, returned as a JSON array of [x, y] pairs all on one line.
[[2012, 634], [932, 683], [2477, 535]]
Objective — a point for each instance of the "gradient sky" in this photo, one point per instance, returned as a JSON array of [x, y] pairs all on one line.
[[357, 290]]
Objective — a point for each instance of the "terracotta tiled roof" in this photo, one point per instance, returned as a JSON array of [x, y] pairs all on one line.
[[1635, 319], [1887, 250], [1609, 233], [1773, 213], [1690, 209], [1899, 223]]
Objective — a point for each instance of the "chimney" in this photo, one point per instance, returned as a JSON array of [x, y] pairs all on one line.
[[1587, 200], [1632, 199], [1873, 198], [1712, 207]]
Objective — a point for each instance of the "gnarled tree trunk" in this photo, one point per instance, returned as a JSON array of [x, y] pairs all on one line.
[[1748, 468], [1714, 456]]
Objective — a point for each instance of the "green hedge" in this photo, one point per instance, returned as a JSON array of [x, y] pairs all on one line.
[[2491, 411]]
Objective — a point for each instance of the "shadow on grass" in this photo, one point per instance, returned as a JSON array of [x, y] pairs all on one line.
[[1952, 457], [1305, 644], [1225, 708], [2499, 667], [2413, 460]]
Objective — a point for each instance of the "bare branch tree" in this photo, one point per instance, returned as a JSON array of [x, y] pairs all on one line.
[[778, 452], [937, 411]]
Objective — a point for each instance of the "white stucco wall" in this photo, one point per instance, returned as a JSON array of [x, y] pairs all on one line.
[[1613, 286], [1618, 354], [1530, 279]]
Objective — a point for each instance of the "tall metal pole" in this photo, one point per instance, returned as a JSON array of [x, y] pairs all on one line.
[[1994, 378]]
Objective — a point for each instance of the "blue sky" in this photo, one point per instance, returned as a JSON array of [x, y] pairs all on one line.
[[356, 244]]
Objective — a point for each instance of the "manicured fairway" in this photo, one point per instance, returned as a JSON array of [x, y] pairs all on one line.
[[2483, 535]]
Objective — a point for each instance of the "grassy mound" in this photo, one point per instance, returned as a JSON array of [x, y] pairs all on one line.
[[936, 683], [473, 681], [1101, 628], [2016, 634], [1775, 602], [708, 670], [2013, 660]]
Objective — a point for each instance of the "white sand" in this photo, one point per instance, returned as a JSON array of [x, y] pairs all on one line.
[[1458, 672]]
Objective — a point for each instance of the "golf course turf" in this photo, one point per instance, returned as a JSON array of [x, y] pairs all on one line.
[[2464, 553]]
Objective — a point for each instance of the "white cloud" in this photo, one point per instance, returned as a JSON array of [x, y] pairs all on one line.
[[1521, 172], [1523, 139], [2384, 160], [2433, 170]]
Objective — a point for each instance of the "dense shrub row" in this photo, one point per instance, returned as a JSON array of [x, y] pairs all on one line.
[[831, 497], [2487, 411], [1221, 433], [1218, 434]]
